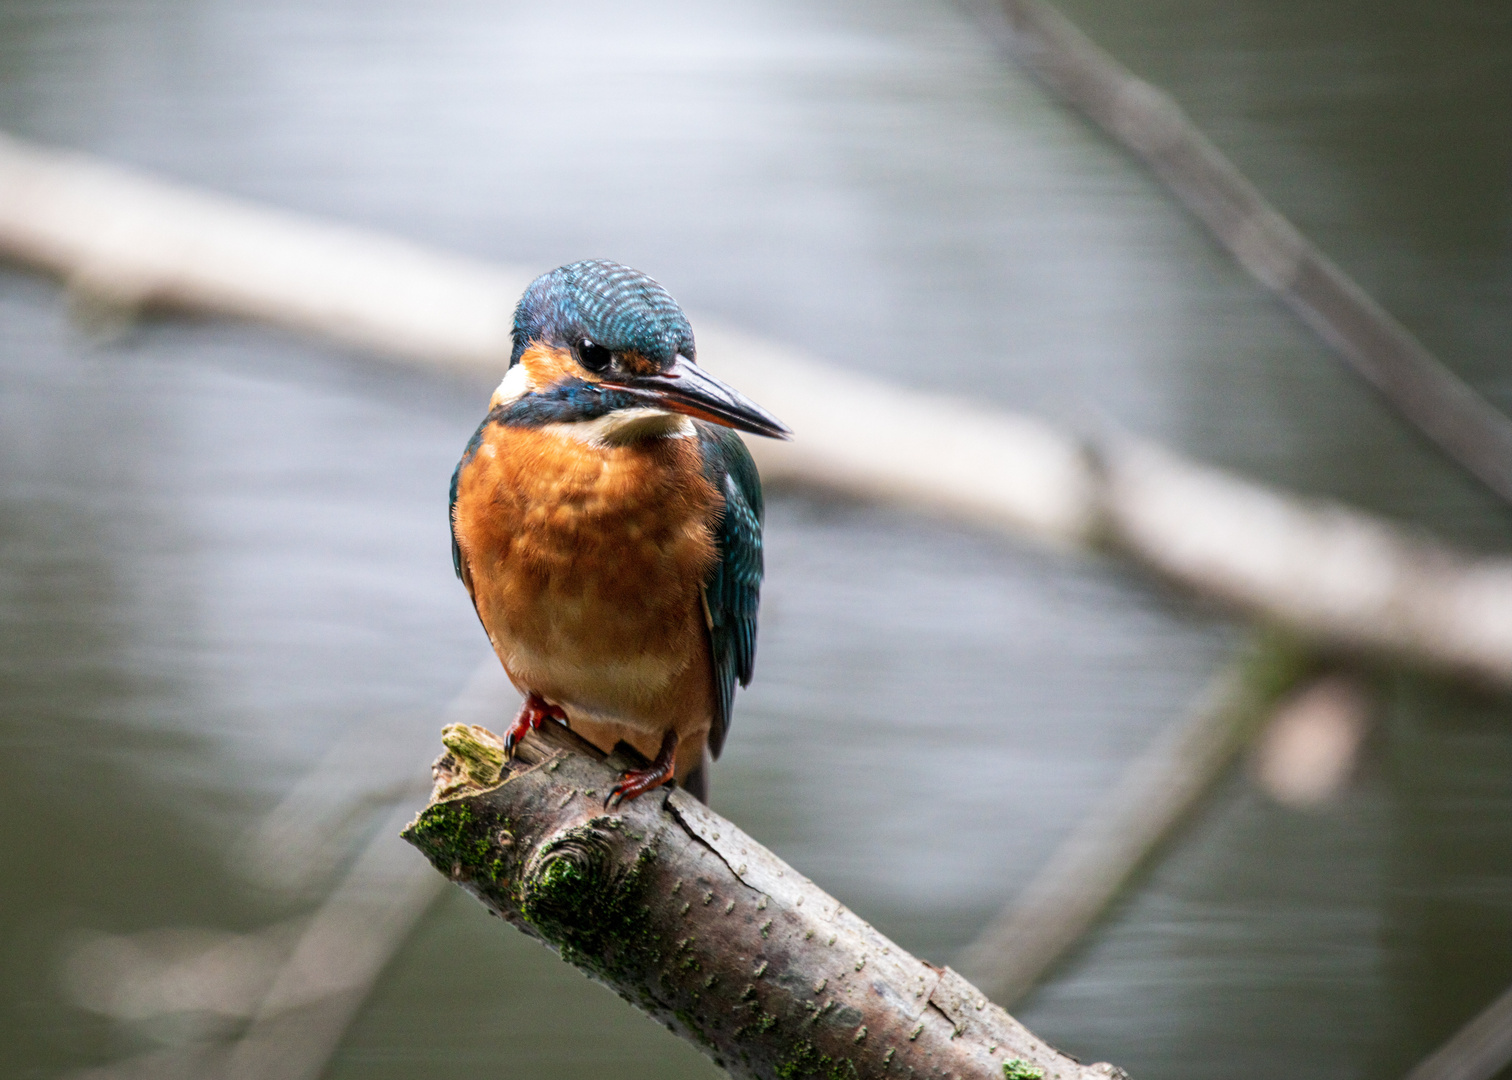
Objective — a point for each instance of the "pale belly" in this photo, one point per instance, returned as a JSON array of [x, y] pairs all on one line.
[[558, 649]]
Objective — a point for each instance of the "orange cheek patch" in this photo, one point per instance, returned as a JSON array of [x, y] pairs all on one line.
[[547, 365]]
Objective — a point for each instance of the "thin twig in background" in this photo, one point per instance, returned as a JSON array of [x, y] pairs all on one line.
[[314, 989], [1146, 121], [1478, 1051], [1162, 787]]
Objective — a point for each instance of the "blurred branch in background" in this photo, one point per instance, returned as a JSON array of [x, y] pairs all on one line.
[[1311, 745], [1146, 121], [123, 243], [328, 975], [1306, 726], [1342, 578], [1478, 1051], [279, 1000], [1163, 786]]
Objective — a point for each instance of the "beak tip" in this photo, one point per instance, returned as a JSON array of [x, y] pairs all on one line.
[[770, 428]]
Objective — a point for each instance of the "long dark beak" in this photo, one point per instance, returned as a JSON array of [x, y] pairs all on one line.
[[687, 388]]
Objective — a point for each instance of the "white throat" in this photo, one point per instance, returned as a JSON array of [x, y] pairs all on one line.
[[619, 428], [625, 426]]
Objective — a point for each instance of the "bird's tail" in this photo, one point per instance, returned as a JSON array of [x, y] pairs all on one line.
[[696, 783]]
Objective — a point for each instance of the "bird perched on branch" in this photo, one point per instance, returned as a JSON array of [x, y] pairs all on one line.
[[607, 524]]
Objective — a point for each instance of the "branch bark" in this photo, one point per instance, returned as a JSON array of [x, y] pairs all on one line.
[[703, 929]]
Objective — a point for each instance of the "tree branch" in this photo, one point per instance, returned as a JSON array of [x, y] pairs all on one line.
[[701, 928]]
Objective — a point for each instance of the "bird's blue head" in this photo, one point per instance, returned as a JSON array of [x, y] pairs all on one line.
[[598, 341], [608, 304]]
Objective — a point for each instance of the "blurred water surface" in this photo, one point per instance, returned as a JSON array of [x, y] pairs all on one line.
[[223, 551]]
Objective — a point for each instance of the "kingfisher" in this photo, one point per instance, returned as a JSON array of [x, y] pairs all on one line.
[[606, 522]]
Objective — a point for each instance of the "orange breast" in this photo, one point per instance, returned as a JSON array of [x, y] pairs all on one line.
[[587, 565]]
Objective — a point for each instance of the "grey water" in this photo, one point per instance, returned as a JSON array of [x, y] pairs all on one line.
[[223, 550]]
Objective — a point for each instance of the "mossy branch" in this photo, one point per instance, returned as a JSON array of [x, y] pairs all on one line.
[[703, 929]]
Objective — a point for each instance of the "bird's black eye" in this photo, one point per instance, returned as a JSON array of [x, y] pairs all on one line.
[[593, 356]]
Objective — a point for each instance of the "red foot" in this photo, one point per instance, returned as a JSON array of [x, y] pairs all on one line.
[[637, 782], [533, 714]]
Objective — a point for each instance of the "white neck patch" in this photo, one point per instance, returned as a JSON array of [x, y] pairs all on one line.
[[625, 426], [514, 386]]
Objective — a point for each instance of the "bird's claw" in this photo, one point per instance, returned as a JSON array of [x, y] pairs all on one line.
[[636, 782], [535, 712]]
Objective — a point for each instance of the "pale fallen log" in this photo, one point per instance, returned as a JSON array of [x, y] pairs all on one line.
[[1160, 789], [1145, 120], [1344, 578], [702, 928], [120, 239], [1338, 577]]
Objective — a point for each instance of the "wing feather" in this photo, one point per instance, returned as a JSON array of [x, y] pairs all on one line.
[[732, 592]]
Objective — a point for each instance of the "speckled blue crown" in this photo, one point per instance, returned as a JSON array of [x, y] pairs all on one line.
[[617, 307]]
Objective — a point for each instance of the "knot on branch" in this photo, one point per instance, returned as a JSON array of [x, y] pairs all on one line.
[[578, 892], [568, 871]]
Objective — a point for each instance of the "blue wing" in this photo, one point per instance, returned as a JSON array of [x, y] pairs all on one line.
[[733, 590]]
